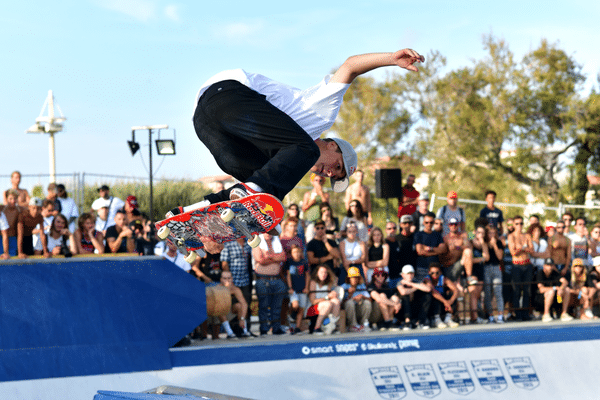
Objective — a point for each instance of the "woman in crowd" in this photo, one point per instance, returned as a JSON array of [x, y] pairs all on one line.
[[492, 275], [289, 237], [357, 302], [475, 277], [324, 300], [60, 240], [353, 252], [357, 215], [540, 246], [595, 241], [332, 224], [87, 239], [378, 253], [386, 302], [579, 287], [293, 210]]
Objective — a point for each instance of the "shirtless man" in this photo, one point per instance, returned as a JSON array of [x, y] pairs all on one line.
[[459, 255], [23, 195], [238, 306], [560, 249], [521, 246], [361, 193], [312, 199]]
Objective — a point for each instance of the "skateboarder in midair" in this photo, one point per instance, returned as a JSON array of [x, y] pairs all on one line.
[[267, 134]]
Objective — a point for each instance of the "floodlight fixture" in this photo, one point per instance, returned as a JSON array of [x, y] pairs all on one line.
[[165, 147]]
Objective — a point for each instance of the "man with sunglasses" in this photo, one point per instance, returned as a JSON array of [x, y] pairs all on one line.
[[560, 249], [521, 246], [429, 245], [579, 240], [460, 252], [567, 218], [407, 254], [321, 250]]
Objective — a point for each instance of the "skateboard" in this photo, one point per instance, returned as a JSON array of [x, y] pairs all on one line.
[[222, 222]]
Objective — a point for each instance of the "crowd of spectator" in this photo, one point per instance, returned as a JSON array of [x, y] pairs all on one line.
[[326, 274]]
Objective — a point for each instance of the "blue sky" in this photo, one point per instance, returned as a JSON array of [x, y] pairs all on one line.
[[113, 64]]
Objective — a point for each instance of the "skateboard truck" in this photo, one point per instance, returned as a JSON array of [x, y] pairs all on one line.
[[228, 216]]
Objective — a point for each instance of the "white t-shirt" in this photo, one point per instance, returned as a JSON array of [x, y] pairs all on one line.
[[69, 210], [178, 260], [115, 205], [52, 243], [314, 109]]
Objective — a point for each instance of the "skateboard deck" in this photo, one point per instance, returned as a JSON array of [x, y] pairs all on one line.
[[222, 222]]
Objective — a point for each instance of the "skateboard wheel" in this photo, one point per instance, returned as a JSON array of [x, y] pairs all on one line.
[[227, 215], [254, 242], [190, 258], [163, 232]]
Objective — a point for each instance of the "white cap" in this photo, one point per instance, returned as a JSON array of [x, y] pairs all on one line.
[[407, 269], [35, 201], [100, 203], [596, 261], [350, 165]]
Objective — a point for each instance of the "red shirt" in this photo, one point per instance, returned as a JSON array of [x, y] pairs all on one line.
[[409, 194]]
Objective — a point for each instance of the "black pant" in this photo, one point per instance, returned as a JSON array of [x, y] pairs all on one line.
[[251, 139], [521, 277]]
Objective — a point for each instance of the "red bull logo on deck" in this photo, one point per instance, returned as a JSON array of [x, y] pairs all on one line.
[[264, 213]]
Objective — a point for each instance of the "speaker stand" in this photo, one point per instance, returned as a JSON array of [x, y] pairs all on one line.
[[387, 209]]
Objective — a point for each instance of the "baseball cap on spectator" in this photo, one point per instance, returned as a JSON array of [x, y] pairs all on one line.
[[132, 201], [424, 196], [136, 224], [35, 201], [577, 261], [596, 261], [379, 271], [453, 221], [100, 203], [353, 272], [103, 187], [548, 261], [407, 269], [452, 195], [406, 218]]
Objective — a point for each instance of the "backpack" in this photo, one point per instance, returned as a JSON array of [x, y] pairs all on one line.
[[462, 214]]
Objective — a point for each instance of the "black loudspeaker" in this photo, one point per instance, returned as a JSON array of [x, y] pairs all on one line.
[[388, 183]]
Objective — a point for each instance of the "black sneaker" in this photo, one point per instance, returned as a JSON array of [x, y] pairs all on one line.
[[318, 331], [280, 331]]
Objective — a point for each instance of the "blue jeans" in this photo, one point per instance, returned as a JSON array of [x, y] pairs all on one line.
[[492, 277], [270, 293]]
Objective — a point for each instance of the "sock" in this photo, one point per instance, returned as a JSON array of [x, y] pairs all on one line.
[[254, 186], [227, 328]]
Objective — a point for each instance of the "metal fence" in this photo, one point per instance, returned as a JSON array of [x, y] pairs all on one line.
[[75, 183]]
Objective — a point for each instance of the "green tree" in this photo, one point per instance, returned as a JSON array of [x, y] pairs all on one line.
[[502, 119]]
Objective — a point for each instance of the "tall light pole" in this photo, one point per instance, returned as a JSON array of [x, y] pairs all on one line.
[[164, 147], [49, 124]]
